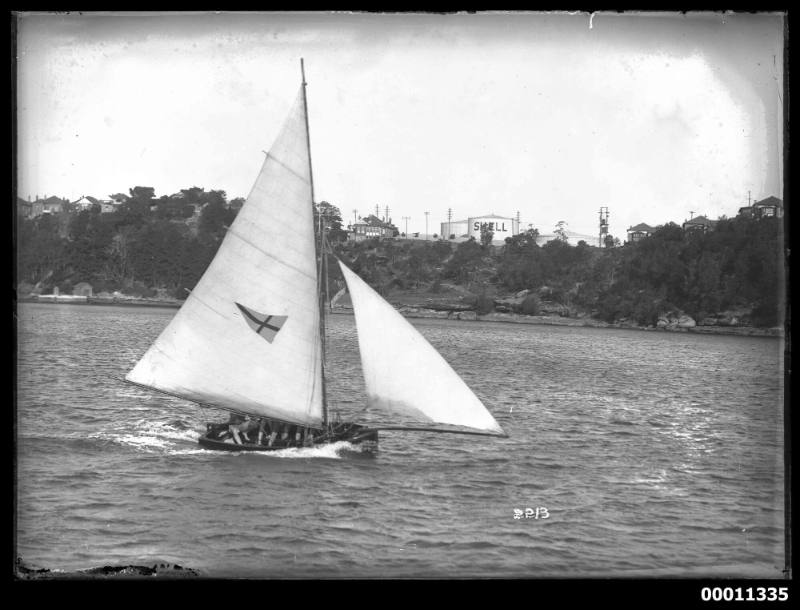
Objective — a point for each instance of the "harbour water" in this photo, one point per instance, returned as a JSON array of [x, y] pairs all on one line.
[[630, 453]]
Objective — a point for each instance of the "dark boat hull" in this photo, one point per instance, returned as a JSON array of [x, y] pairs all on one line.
[[356, 434]]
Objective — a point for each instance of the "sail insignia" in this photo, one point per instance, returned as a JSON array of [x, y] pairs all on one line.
[[265, 326]]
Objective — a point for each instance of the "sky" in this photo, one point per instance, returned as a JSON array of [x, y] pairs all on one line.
[[552, 115]]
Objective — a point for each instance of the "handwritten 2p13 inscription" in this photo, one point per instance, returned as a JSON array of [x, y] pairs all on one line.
[[540, 512]]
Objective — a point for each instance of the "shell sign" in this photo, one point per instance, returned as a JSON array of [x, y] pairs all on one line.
[[501, 227]]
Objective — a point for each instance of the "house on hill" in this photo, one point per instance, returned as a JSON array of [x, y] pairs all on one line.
[[32, 209], [52, 205], [370, 227], [28, 209], [769, 207], [699, 223], [639, 232], [86, 202]]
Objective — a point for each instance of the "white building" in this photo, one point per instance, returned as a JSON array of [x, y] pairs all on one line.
[[462, 230]]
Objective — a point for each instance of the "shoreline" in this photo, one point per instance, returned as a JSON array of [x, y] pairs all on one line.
[[512, 318], [423, 313], [118, 301]]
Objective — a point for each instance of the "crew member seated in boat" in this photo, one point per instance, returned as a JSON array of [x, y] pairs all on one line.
[[233, 422], [241, 426], [273, 432]]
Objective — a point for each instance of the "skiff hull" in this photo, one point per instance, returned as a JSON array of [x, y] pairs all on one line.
[[355, 434]]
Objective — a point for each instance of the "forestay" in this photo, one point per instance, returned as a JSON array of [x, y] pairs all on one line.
[[404, 374], [247, 337]]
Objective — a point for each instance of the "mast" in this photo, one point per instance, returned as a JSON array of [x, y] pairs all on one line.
[[320, 251]]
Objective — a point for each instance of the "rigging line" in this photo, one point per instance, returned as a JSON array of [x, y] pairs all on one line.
[[192, 295], [230, 231], [286, 167]]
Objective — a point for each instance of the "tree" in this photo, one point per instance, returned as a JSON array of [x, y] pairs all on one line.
[[214, 218], [522, 242], [40, 249], [521, 263], [331, 219], [561, 231], [143, 193], [136, 208], [530, 306], [465, 262], [487, 235]]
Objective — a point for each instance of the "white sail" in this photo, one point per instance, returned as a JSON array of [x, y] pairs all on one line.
[[248, 337], [404, 374]]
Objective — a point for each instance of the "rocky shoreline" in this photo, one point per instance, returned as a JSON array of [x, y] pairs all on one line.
[[460, 311], [100, 300], [556, 320], [508, 309]]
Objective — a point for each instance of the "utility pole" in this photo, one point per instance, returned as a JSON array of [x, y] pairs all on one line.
[[426, 225], [449, 218], [355, 216], [406, 218], [387, 215], [377, 212], [691, 214], [603, 225]]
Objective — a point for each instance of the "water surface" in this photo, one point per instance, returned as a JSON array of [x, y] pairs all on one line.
[[652, 453]]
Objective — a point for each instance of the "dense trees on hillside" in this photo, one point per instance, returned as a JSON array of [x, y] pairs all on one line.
[[737, 266], [164, 244], [148, 243]]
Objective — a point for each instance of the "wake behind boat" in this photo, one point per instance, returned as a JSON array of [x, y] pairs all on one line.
[[250, 337]]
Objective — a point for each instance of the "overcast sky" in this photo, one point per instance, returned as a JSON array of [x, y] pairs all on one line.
[[653, 116]]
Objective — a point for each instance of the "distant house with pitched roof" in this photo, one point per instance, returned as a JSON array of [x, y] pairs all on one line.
[[52, 205], [28, 209], [766, 208], [370, 227], [699, 223], [85, 203], [639, 232], [48, 205]]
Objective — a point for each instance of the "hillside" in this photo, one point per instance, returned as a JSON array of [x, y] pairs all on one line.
[[732, 275]]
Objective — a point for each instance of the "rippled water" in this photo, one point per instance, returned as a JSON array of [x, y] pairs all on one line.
[[653, 454]]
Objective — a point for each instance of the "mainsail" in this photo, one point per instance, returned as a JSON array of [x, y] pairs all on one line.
[[404, 375], [248, 336]]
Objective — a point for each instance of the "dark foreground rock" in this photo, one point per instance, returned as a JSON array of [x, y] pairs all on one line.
[[159, 570]]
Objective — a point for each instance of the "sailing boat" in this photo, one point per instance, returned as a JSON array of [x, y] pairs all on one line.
[[250, 337]]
